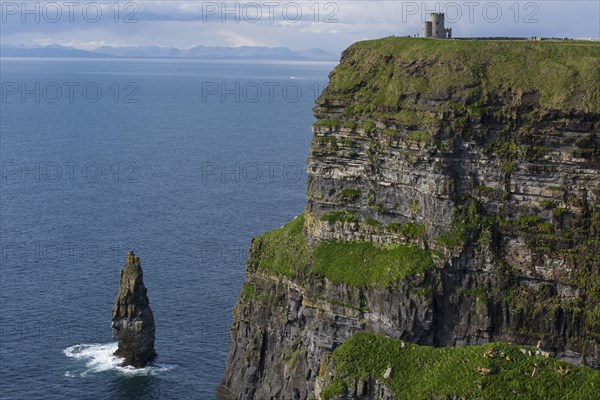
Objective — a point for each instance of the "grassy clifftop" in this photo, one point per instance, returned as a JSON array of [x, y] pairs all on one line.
[[379, 75], [490, 371]]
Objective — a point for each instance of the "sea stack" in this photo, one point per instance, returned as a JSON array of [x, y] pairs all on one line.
[[132, 318]]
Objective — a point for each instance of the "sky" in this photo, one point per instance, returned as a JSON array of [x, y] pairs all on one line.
[[330, 25]]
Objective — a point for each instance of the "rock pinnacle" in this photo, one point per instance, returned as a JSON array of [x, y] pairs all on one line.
[[132, 318]]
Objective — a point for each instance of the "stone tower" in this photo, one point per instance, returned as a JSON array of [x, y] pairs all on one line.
[[435, 28], [427, 29]]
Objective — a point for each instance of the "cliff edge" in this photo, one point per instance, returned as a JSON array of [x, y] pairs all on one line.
[[452, 200]]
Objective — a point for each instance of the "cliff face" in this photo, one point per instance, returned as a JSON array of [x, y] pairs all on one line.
[[132, 318], [453, 199]]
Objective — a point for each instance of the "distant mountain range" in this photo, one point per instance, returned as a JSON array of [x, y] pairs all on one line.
[[199, 52], [53, 50]]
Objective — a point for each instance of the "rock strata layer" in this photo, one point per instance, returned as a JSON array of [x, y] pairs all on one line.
[[132, 318]]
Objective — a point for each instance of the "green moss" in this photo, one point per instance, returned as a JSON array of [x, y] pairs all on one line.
[[373, 204], [508, 166], [468, 223], [350, 124], [479, 293], [372, 222], [331, 144], [423, 292], [369, 127], [378, 207], [539, 309], [340, 215], [410, 117], [348, 142], [532, 224], [327, 123], [247, 291], [291, 358], [327, 141], [335, 123], [371, 196], [592, 153], [335, 388], [559, 211], [419, 136], [491, 371], [482, 189], [409, 229], [349, 194], [342, 304], [414, 208], [374, 150], [363, 263], [547, 204], [592, 321]]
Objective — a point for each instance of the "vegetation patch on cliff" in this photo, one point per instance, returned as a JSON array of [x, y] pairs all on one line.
[[285, 251], [341, 216], [563, 75], [365, 263], [490, 371], [247, 291], [349, 194]]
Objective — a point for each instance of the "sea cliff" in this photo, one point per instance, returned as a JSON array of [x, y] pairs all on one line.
[[453, 199]]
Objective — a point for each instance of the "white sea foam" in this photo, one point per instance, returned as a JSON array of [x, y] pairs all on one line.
[[100, 358]]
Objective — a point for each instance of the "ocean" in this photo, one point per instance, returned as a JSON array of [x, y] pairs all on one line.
[[182, 161]]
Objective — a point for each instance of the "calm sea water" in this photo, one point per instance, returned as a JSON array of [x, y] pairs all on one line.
[[182, 161]]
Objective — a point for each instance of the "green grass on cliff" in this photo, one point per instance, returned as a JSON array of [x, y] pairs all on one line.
[[362, 263], [490, 371], [285, 251], [380, 74]]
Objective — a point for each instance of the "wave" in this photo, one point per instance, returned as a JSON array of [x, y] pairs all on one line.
[[100, 358]]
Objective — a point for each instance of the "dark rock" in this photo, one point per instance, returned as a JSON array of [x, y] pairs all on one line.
[[132, 318]]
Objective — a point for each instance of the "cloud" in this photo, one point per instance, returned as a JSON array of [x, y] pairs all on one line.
[[237, 40], [85, 45], [331, 25]]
